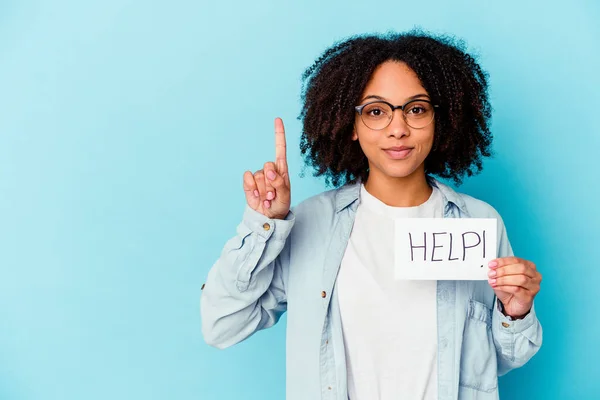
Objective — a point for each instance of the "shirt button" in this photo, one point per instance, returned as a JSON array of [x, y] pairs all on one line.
[[444, 390], [202, 288], [505, 324], [323, 294], [266, 226], [329, 388], [444, 295]]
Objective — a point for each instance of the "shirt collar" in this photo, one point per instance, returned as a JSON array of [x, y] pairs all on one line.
[[348, 194]]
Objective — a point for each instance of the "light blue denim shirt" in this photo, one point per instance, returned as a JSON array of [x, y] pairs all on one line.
[[273, 266]]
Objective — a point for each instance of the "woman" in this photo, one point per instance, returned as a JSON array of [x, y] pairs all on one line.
[[381, 115]]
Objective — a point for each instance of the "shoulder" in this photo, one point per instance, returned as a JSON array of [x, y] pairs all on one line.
[[315, 216], [326, 205], [318, 205], [478, 208], [475, 208]]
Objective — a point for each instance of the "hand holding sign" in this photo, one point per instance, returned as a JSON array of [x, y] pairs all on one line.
[[516, 282]]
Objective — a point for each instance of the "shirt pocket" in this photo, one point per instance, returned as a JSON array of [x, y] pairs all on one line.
[[478, 363]]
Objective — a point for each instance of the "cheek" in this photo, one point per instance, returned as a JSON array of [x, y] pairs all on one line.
[[368, 141], [426, 142]]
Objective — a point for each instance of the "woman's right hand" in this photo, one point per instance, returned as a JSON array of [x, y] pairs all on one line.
[[268, 190]]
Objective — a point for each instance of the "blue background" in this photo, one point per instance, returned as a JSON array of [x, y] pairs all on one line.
[[125, 128]]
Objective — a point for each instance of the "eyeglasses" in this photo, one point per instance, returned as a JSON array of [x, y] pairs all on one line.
[[377, 115]]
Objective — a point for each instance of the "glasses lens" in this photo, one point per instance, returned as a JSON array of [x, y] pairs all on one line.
[[377, 115], [418, 114]]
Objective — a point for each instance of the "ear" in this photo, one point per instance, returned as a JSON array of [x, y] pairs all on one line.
[[354, 135]]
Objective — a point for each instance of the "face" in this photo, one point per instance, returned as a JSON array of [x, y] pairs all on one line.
[[398, 150]]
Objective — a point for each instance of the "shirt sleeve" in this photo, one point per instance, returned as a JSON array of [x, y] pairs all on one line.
[[245, 288]]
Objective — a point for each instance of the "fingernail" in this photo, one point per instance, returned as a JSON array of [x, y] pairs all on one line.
[[493, 264], [271, 175], [492, 273], [270, 195], [267, 204], [492, 281], [256, 193]]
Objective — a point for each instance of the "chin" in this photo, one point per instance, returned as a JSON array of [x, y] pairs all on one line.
[[399, 172]]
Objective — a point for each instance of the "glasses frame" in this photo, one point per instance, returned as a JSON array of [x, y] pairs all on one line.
[[359, 110]]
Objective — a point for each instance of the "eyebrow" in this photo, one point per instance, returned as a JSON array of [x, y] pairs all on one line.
[[416, 96]]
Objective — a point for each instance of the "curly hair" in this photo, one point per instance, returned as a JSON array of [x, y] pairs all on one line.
[[333, 84]]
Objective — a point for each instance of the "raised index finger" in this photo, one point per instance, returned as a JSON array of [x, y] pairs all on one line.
[[280, 147]]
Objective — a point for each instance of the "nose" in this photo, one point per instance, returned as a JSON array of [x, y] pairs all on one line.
[[398, 127]]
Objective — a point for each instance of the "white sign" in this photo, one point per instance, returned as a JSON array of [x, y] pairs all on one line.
[[444, 248]]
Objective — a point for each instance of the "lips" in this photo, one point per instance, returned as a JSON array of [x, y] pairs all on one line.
[[398, 152]]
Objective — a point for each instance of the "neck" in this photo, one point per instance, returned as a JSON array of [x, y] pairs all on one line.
[[409, 191]]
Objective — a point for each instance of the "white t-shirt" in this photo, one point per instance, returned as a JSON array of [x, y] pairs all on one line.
[[389, 326]]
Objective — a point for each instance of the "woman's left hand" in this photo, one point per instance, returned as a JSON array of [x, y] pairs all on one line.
[[516, 282]]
